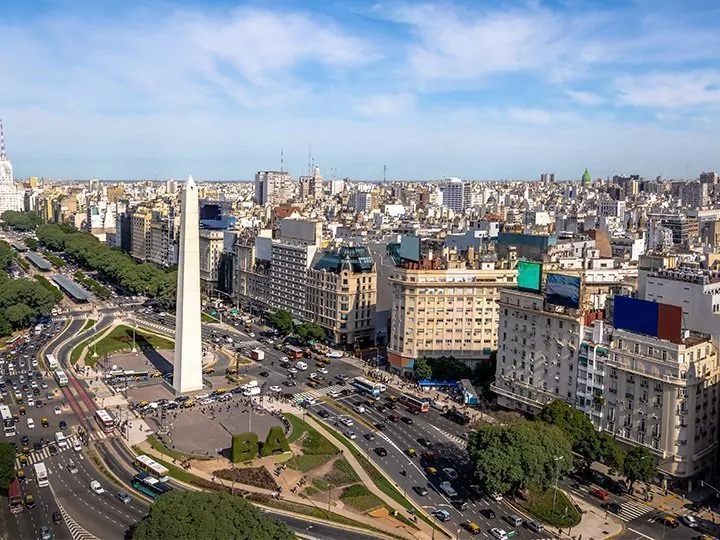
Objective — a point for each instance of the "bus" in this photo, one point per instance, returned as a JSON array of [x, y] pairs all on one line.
[[15, 497], [149, 466], [152, 487], [51, 362], [368, 387], [60, 378], [414, 403], [129, 375], [8, 421], [41, 476], [105, 420], [10, 342], [293, 352]]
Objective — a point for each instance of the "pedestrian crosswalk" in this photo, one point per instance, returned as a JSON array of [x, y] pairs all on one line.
[[250, 343], [633, 510], [37, 457], [324, 391]]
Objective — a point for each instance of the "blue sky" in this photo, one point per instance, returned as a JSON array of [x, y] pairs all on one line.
[[478, 89]]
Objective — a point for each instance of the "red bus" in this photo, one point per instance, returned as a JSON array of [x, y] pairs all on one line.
[[14, 341], [293, 352], [15, 497], [414, 403]]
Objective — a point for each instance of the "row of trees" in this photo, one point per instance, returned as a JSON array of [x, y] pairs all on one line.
[[282, 321], [20, 221], [112, 264], [532, 453]]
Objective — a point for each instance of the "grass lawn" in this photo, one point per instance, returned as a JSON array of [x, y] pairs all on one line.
[[121, 339], [307, 462], [204, 317], [298, 427], [89, 324], [77, 351], [540, 505], [317, 450], [361, 498]]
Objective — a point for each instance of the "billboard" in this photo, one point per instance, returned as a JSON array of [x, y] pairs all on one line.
[[561, 290], [410, 248], [663, 321], [529, 276]]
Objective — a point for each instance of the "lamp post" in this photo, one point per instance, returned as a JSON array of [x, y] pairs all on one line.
[[557, 459], [132, 319]]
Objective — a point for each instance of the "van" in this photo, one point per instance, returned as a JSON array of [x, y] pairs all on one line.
[[61, 440], [251, 392], [437, 405], [250, 384], [513, 520], [535, 526], [302, 366]]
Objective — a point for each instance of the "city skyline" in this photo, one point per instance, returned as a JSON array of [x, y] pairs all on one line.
[[430, 90]]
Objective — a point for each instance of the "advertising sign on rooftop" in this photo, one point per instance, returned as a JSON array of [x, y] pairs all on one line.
[[561, 290], [529, 276]]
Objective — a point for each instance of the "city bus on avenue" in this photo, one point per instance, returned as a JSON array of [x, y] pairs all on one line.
[[10, 342], [15, 497], [367, 386], [152, 487], [51, 362], [105, 420], [149, 466], [8, 421], [415, 403], [60, 378]]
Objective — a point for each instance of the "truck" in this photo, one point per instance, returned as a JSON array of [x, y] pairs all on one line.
[[61, 440], [258, 355], [447, 489]]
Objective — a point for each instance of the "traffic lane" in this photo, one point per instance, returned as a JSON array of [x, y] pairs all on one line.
[[41, 514], [320, 531], [99, 514]]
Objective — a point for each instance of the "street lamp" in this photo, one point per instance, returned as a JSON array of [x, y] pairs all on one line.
[[557, 459], [132, 319]]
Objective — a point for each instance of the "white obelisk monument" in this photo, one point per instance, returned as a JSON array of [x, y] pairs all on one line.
[[187, 372]]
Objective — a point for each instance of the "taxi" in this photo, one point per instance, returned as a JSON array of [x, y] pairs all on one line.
[[29, 501], [20, 474], [411, 452], [471, 527], [231, 371], [23, 460], [189, 403], [44, 422], [392, 398], [22, 410], [669, 521], [431, 470]]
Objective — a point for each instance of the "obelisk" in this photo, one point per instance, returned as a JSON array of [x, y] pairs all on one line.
[[187, 372]]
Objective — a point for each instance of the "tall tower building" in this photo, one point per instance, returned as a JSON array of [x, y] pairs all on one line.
[[272, 187], [187, 373], [10, 197]]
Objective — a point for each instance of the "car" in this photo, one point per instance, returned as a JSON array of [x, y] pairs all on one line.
[[489, 513], [57, 518], [264, 374], [500, 534], [689, 521], [380, 451], [443, 515], [57, 410], [390, 405], [407, 420], [292, 370], [201, 396], [72, 467], [322, 370], [422, 441], [30, 423], [451, 473], [497, 497], [29, 501], [37, 447], [323, 413], [276, 389], [123, 497], [345, 421], [350, 434], [53, 449], [208, 401], [25, 439], [420, 490], [380, 426], [77, 447], [600, 494], [44, 385], [289, 383], [285, 365], [96, 487], [369, 436], [612, 506], [393, 418], [39, 403], [360, 409]]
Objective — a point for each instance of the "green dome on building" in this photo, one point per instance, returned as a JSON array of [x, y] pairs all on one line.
[[586, 178]]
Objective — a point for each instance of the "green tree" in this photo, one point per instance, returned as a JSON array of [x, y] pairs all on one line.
[[32, 243], [639, 465], [449, 368], [310, 332], [19, 315], [519, 455], [21, 221], [5, 327], [282, 320], [577, 426], [193, 515], [612, 455], [422, 369], [7, 466], [6, 255]]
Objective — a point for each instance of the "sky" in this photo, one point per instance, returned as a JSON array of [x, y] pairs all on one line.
[[480, 89]]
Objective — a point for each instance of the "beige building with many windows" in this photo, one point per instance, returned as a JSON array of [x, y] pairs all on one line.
[[342, 294], [446, 307]]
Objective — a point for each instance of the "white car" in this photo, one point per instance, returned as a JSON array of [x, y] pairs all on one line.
[[30, 402], [208, 401], [30, 423], [359, 409], [77, 446], [276, 389], [322, 370], [350, 434], [202, 396], [334, 394], [57, 410], [345, 421], [292, 370], [500, 534], [96, 487]]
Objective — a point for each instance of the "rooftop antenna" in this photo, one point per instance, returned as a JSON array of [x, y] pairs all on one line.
[[282, 161], [384, 173], [310, 160], [3, 156]]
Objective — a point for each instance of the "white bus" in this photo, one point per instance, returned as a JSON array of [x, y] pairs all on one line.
[[368, 387], [61, 378], [8, 422], [105, 420], [51, 362], [41, 476], [148, 465]]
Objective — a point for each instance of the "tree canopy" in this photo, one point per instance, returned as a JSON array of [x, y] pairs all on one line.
[[31, 243], [520, 455], [282, 320], [23, 300], [310, 332], [21, 221], [193, 515], [422, 369], [7, 465], [448, 368], [639, 465]]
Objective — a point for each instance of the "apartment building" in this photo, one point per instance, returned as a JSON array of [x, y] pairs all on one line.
[[140, 242], [537, 352], [289, 263], [342, 294], [164, 232], [211, 248], [272, 187], [663, 395], [446, 307], [252, 276]]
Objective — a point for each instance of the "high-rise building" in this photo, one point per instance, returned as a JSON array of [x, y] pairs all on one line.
[[694, 194], [361, 201], [10, 197], [211, 248], [187, 372], [456, 195], [289, 263], [272, 187]]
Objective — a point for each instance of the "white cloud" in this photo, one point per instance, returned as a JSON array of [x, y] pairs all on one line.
[[678, 90], [387, 105], [585, 98], [541, 117]]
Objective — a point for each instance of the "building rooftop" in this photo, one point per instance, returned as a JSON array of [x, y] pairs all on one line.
[[38, 261], [355, 258], [71, 288]]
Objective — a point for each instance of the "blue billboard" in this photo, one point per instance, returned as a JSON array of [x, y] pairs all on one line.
[[561, 290]]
